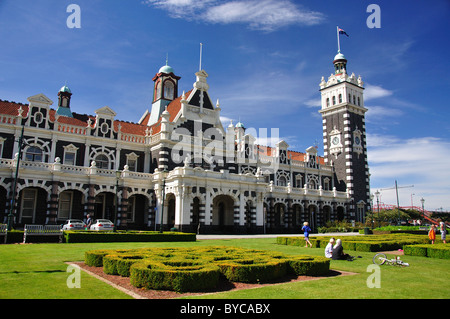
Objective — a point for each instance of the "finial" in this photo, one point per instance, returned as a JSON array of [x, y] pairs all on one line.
[[167, 58]]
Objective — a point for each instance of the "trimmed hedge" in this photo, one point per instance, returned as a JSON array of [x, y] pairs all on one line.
[[369, 243], [129, 236], [441, 251], [194, 269], [178, 276]]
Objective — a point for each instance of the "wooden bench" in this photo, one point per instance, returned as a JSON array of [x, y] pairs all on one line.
[[42, 230], [4, 232]]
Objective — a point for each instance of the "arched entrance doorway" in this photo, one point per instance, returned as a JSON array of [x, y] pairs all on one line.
[[223, 214], [170, 200], [279, 216]]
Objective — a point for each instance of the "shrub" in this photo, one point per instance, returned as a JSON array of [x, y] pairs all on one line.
[[181, 277], [415, 250], [309, 266], [193, 269], [441, 251], [367, 243], [130, 236]]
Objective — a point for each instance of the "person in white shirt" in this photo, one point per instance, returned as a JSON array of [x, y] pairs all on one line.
[[329, 248]]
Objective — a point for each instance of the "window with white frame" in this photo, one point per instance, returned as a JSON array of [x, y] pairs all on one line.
[[102, 161], [2, 140], [132, 159], [326, 184], [70, 154], [34, 154]]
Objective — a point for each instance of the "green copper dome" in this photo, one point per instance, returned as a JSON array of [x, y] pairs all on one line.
[[166, 69], [65, 89]]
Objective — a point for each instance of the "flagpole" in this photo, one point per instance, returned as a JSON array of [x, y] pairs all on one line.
[[339, 44], [201, 49]]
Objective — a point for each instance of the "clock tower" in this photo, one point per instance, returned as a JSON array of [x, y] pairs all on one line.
[[344, 136]]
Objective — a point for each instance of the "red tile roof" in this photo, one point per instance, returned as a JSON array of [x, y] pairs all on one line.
[[81, 120]]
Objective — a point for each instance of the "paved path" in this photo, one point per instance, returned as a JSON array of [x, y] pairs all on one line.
[[218, 236]]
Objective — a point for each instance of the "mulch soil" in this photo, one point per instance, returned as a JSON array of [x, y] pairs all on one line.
[[123, 283]]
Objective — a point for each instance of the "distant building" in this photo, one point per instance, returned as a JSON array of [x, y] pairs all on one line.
[[178, 159]]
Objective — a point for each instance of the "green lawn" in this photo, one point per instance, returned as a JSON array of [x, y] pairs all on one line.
[[39, 271]]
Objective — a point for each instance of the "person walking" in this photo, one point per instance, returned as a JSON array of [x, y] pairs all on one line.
[[432, 234], [443, 232], [306, 230]]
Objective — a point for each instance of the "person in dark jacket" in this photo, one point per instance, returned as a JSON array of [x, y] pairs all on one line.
[[338, 252]]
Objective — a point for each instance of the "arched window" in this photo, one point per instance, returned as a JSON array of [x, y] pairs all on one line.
[[359, 101], [282, 181], [328, 101], [102, 161], [34, 154], [334, 100], [169, 90], [340, 98], [157, 91]]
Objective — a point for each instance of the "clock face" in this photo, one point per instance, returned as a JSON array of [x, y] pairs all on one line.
[[357, 140], [335, 140]]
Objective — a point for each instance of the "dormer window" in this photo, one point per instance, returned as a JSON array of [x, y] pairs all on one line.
[[38, 117], [104, 128]]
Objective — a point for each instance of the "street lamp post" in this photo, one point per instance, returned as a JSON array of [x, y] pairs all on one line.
[[377, 194], [423, 206], [118, 174], [162, 207], [14, 189], [371, 211]]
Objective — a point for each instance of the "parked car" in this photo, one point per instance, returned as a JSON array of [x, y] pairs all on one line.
[[102, 224], [73, 224]]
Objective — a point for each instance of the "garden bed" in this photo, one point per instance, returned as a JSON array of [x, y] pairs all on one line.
[[203, 268], [123, 283]]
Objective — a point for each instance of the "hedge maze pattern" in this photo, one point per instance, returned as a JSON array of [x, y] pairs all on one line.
[[197, 269], [371, 243]]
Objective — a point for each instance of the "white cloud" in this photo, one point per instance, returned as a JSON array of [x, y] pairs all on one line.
[[266, 15], [381, 112], [374, 92], [421, 162]]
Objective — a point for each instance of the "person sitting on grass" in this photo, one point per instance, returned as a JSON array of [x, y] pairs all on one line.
[[338, 252], [329, 248]]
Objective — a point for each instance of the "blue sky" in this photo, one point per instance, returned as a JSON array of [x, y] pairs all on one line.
[[265, 59]]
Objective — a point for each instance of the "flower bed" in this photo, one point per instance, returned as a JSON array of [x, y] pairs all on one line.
[[196, 269]]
